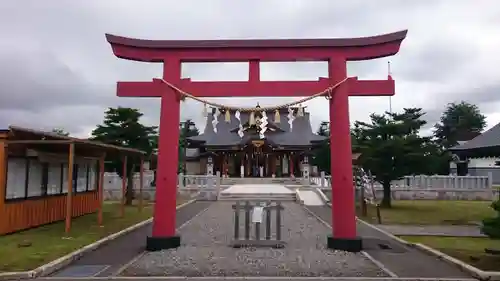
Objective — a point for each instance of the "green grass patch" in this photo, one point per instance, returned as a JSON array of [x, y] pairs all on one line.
[[431, 212], [467, 249], [34, 247]]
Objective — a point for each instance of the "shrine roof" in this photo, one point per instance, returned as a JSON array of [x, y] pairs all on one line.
[[487, 140], [300, 135], [257, 43]]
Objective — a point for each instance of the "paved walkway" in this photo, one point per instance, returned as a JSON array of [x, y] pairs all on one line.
[[108, 259], [206, 250], [433, 230], [403, 261]]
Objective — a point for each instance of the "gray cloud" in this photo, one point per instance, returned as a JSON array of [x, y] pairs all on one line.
[[56, 69]]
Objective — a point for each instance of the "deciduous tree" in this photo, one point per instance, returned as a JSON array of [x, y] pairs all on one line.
[[459, 122], [60, 132]]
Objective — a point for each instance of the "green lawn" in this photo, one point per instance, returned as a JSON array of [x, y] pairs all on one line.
[[468, 250], [432, 212], [31, 248]]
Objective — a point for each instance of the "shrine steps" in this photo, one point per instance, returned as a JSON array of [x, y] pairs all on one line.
[[256, 197], [258, 192], [283, 181]]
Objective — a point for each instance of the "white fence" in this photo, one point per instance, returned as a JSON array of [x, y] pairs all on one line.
[[113, 181], [410, 187], [203, 187], [428, 188], [194, 185], [426, 182], [113, 185]]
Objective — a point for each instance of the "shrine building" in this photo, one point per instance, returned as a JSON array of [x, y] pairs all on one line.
[[283, 151]]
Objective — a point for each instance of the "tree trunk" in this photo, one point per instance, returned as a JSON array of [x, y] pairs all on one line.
[[386, 200], [129, 195]]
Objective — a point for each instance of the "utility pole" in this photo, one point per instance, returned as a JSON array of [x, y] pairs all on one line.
[[389, 75]]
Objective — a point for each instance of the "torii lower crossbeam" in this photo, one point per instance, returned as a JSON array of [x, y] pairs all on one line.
[[257, 89]]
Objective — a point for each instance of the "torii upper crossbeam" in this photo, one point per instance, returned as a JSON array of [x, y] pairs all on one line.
[[336, 51]]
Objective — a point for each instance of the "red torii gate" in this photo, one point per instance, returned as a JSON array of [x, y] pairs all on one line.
[[336, 51]]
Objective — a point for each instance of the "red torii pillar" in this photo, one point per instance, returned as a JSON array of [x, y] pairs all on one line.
[[336, 51]]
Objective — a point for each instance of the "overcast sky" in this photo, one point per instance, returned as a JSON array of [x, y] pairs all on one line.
[[57, 70]]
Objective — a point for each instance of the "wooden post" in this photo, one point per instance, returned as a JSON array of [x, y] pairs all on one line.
[[223, 172], [237, 221], [242, 164], [100, 189], [268, 221], [247, 220], [278, 220], [69, 196], [249, 164], [273, 164], [141, 183], [124, 186], [3, 170]]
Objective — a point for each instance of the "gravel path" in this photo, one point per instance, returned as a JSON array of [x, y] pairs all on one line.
[[433, 230], [206, 252]]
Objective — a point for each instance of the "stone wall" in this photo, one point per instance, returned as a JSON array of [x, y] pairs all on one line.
[[435, 194], [148, 193], [113, 186], [493, 171], [440, 194]]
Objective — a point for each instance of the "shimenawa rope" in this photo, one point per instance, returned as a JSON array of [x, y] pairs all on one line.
[[327, 92]]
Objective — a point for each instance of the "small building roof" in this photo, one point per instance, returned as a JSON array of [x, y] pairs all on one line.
[[490, 138], [485, 144], [51, 141]]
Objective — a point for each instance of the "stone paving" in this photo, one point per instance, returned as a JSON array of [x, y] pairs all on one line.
[[205, 251], [404, 261], [433, 230]]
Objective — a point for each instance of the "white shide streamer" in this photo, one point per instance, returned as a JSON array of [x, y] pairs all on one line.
[[290, 118], [216, 120], [237, 115], [263, 125]]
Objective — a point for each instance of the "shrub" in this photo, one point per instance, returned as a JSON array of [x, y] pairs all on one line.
[[491, 226]]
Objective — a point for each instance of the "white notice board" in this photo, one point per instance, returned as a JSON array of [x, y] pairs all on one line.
[[257, 214]]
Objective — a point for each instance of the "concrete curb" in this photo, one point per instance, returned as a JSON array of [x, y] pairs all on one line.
[[259, 278], [473, 271], [322, 195], [297, 197], [59, 263], [368, 256]]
